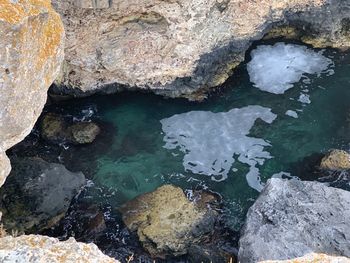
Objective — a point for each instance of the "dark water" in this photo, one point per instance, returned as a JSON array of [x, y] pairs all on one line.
[[129, 158]]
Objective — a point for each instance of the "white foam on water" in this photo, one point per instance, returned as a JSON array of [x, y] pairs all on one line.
[[304, 98], [210, 141], [275, 68], [292, 113]]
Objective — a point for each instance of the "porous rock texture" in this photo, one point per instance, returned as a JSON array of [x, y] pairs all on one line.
[[292, 218], [336, 160], [167, 223], [35, 248], [182, 47], [31, 52]]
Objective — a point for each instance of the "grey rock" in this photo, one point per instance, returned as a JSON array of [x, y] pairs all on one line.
[[37, 194], [293, 218], [181, 47]]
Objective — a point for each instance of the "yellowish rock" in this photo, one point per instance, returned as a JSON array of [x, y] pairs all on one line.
[[336, 160], [31, 52], [313, 258]]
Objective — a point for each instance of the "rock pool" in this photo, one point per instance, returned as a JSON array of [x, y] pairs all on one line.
[[231, 143]]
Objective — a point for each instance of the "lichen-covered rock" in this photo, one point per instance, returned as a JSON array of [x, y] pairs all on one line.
[[292, 218], [37, 194], [336, 160], [35, 248], [167, 223], [314, 258], [31, 52], [182, 47]]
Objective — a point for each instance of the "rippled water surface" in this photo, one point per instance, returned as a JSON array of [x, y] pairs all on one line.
[[226, 144]]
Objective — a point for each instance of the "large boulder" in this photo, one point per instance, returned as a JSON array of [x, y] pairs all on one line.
[[35, 248], [31, 52], [167, 223], [37, 194], [292, 218], [181, 47]]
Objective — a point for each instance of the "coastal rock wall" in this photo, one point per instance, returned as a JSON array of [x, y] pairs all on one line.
[[31, 51], [180, 47]]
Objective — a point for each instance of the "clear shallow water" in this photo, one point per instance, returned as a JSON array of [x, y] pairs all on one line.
[[239, 130]]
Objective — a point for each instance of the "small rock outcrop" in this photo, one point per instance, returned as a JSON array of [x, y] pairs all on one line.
[[167, 223], [54, 128], [182, 47], [35, 248], [336, 160], [312, 258], [292, 218], [31, 52], [37, 194]]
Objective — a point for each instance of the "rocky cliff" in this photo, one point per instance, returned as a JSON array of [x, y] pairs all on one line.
[[181, 47], [31, 51]]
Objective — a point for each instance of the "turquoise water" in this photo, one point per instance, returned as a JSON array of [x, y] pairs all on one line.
[[136, 160]]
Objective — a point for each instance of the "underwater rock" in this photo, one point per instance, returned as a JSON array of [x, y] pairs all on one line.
[[55, 129], [31, 52], [35, 248], [292, 218], [336, 160], [37, 194], [84, 132], [167, 223], [181, 47]]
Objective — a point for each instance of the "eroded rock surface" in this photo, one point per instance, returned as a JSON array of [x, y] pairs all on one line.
[[55, 129], [293, 218], [35, 248], [336, 160], [31, 52], [167, 223], [182, 47], [37, 194]]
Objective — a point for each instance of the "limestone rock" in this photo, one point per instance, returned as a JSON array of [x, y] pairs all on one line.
[[31, 52], [336, 160], [37, 194], [182, 47], [167, 223], [84, 132], [54, 128], [35, 248], [314, 258], [293, 218]]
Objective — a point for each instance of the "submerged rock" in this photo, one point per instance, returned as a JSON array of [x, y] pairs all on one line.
[[31, 52], [54, 128], [182, 47], [292, 218], [167, 223], [84, 132], [336, 160], [37, 194], [35, 248]]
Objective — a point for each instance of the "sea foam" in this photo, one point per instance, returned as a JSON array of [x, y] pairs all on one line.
[[275, 68], [211, 142]]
